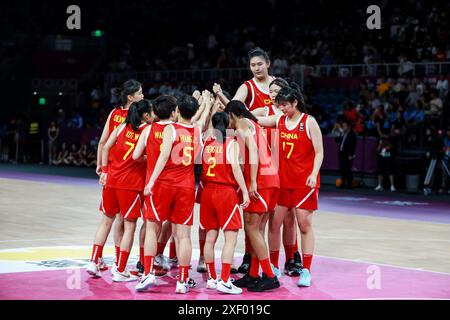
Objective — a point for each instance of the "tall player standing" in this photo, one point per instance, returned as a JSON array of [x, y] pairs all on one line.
[[301, 156], [126, 178], [131, 91], [255, 94]]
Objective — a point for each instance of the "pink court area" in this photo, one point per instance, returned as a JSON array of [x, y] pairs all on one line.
[[332, 279]]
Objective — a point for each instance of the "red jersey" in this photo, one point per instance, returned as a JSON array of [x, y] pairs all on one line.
[[124, 172], [216, 167], [257, 97], [267, 176], [117, 117], [179, 169], [153, 144], [296, 153]]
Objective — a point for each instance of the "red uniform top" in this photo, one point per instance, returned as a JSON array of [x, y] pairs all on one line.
[[179, 169], [267, 176], [257, 97], [124, 172], [153, 146], [296, 154], [118, 116], [216, 167]]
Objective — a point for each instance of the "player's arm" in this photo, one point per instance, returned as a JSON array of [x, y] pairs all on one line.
[[249, 139], [268, 122], [208, 104], [201, 109], [101, 144], [168, 139], [261, 112], [316, 138], [140, 146], [237, 173], [105, 152]]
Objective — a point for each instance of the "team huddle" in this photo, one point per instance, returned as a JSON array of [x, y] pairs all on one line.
[[260, 153]]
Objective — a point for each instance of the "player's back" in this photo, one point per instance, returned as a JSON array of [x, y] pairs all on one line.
[[153, 145], [179, 169], [117, 117], [124, 172]]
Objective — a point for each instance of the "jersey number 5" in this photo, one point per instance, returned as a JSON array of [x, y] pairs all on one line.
[[187, 152], [131, 145]]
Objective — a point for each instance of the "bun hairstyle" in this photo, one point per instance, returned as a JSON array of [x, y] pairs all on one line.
[[129, 87], [239, 109], [220, 122], [279, 82], [290, 94], [136, 111], [258, 52]]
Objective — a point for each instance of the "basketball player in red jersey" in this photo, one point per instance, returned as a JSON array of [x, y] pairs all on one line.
[[255, 94], [293, 263], [301, 156], [150, 143], [130, 92], [219, 208], [263, 183], [125, 177], [123, 182], [172, 186]]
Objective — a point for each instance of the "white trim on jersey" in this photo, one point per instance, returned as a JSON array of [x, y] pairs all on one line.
[[278, 119], [190, 126], [253, 95], [231, 216], [103, 207], [202, 227], [132, 206], [145, 205], [260, 88], [165, 122], [189, 218], [307, 128], [227, 152], [299, 120], [154, 210], [305, 198], [142, 124]]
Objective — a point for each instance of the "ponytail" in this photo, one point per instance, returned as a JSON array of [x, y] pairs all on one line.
[[136, 112], [239, 109], [220, 122], [129, 87]]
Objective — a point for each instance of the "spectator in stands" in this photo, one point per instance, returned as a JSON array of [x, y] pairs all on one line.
[[436, 104], [62, 154], [442, 87], [414, 120], [385, 163], [80, 158], [52, 134], [72, 155], [378, 119], [346, 154], [61, 121]]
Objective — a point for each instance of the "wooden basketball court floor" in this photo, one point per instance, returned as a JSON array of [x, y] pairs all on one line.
[[372, 246]]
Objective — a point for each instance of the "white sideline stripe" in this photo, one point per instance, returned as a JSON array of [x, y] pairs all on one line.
[[305, 198], [154, 210], [231, 216]]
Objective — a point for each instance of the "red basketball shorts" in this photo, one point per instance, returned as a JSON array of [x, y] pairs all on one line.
[[267, 201], [170, 203], [219, 209], [305, 199], [126, 202]]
